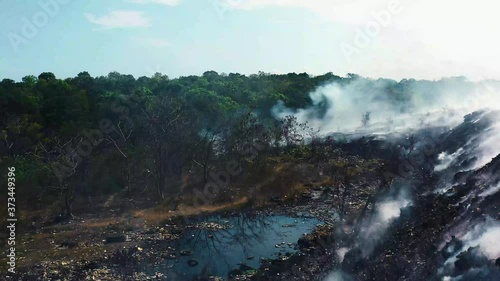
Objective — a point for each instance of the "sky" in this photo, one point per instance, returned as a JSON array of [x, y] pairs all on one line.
[[425, 39]]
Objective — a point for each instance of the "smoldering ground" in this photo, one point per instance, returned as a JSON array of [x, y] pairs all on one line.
[[392, 106]]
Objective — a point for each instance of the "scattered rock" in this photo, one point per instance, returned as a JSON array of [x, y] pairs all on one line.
[[212, 226], [170, 256]]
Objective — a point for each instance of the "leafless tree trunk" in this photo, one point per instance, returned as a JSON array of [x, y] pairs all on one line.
[[166, 126], [63, 160]]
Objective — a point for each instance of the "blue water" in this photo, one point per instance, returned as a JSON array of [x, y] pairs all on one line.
[[219, 252]]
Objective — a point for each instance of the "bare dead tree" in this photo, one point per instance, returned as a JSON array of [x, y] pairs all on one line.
[[167, 123], [8, 134], [290, 130], [62, 159], [119, 138], [366, 118], [203, 153], [8, 144]]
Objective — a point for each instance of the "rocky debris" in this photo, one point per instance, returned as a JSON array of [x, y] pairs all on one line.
[[244, 272], [322, 234], [169, 256], [306, 194], [212, 226], [126, 258], [316, 194], [100, 274], [168, 232], [74, 270], [91, 265], [313, 258]]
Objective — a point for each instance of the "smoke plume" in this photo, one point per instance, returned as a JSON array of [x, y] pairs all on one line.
[[393, 106]]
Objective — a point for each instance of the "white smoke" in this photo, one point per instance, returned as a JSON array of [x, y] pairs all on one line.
[[483, 235], [341, 253], [398, 107], [447, 159], [338, 276], [488, 147], [391, 210], [374, 227], [490, 191], [487, 237], [481, 147], [339, 106]]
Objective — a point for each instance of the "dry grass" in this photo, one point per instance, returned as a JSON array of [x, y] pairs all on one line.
[[87, 235], [285, 180], [157, 215], [104, 222]]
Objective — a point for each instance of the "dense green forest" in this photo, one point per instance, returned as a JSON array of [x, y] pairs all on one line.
[[86, 136], [90, 136]]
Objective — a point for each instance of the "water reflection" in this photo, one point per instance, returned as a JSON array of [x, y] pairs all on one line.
[[244, 240]]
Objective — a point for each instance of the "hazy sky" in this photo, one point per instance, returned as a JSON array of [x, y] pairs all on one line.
[[375, 38]]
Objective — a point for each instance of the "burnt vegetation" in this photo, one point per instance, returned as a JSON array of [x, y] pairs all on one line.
[[115, 169]]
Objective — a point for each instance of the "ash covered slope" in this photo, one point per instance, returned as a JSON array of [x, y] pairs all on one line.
[[451, 230], [471, 246]]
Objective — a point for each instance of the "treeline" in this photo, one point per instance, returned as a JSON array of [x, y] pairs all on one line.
[[96, 135], [88, 136]]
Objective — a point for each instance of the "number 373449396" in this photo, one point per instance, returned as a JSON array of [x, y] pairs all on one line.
[[11, 186]]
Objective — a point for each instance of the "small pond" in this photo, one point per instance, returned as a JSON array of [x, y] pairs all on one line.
[[243, 240]]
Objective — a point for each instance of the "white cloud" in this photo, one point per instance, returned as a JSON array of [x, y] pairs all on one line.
[[119, 19], [337, 10], [161, 2], [450, 15], [426, 38]]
